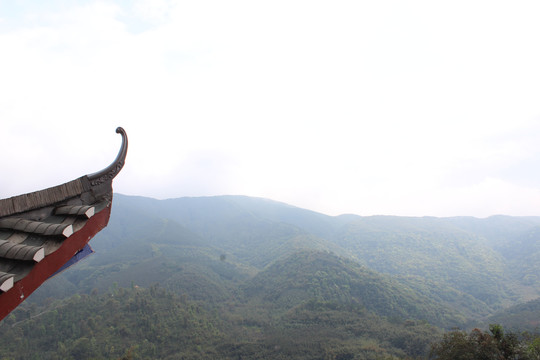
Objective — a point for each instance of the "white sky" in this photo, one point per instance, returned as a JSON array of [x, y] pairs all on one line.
[[366, 107]]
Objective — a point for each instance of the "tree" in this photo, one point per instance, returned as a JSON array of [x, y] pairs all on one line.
[[481, 345], [455, 345]]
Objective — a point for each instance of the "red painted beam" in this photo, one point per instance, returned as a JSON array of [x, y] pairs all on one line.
[[51, 263]]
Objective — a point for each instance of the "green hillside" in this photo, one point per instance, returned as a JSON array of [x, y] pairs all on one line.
[[141, 323], [324, 277], [430, 248], [521, 317], [523, 257], [153, 323]]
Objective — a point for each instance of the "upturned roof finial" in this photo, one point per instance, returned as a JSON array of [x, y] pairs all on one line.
[[114, 168]]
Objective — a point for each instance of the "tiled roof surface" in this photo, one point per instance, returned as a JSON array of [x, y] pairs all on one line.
[[33, 226], [27, 238]]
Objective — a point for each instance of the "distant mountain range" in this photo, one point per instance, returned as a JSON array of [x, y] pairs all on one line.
[[271, 263], [473, 266]]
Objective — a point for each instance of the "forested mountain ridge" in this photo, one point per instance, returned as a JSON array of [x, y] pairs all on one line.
[[472, 265], [475, 256], [521, 317], [265, 272], [307, 275]]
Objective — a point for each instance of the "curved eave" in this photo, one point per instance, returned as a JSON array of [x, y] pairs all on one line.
[[57, 194], [42, 230]]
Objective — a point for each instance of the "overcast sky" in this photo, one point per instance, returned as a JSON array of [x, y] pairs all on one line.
[[367, 107]]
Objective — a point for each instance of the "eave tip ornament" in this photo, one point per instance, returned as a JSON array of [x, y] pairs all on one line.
[[112, 170], [70, 214]]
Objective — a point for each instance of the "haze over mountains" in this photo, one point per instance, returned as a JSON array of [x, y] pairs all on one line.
[[274, 268], [493, 261]]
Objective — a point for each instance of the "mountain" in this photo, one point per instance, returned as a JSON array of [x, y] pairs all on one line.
[[138, 323], [471, 265], [266, 273], [523, 257], [431, 248], [518, 318], [467, 263], [124, 323], [314, 275]]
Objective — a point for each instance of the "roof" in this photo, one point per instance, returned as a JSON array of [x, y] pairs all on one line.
[[42, 231]]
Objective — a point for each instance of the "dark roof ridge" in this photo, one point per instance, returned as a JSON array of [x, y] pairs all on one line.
[[40, 198]]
